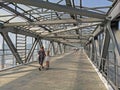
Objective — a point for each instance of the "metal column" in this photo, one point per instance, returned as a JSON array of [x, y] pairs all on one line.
[[53, 47], [104, 51], [32, 50], [60, 48], [11, 46]]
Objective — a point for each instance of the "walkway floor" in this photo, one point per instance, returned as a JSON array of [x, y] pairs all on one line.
[[67, 72]]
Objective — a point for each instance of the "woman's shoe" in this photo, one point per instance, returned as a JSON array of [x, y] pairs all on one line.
[[39, 69]]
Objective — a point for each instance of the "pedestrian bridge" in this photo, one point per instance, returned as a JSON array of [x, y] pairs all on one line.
[[83, 37], [70, 71]]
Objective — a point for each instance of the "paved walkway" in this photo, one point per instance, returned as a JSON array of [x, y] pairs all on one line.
[[67, 72]]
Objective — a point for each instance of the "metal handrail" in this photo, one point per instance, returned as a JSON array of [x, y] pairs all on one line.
[[10, 57], [113, 84], [109, 61]]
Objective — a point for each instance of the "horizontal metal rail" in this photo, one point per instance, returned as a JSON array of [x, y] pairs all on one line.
[[107, 72]]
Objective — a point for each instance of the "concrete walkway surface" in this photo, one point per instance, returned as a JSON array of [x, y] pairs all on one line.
[[71, 71]]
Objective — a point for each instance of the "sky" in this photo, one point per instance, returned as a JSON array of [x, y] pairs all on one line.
[[89, 3], [95, 3]]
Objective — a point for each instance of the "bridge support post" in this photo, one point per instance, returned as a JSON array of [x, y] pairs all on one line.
[[11, 46], [32, 50], [53, 47], [60, 49]]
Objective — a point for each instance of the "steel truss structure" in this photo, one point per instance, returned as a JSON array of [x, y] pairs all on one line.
[[60, 26]]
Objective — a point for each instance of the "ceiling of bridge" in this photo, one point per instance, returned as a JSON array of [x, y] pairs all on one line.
[[67, 21]]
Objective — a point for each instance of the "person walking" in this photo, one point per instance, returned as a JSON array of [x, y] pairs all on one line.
[[47, 58], [42, 55]]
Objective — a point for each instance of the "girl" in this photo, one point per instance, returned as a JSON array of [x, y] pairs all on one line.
[[47, 60]]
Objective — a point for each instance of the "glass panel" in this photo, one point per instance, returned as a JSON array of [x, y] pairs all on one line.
[[4, 12], [26, 8], [13, 38], [4, 19], [17, 19]]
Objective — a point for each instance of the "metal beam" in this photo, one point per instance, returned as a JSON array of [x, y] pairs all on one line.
[[19, 31], [72, 28], [40, 43], [70, 37], [89, 20], [12, 47], [52, 22], [61, 8], [91, 54], [66, 36], [14, 11], [104, 51], [97, 52], [114, 11], [112, 35], [20, 14], [117, 36], [60, 48], [69, 4], [74, 41], [52, 43], [93, 50], [96, 32], [54, 40], [73, 16], [83, 35], [32, 50], [25, 32], [64, 48], [96, 10], [101, 7]]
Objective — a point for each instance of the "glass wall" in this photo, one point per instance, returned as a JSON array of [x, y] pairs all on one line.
[[7, 59]]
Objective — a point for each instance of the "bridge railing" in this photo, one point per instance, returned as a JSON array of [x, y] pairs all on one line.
[[110, 69], [7, 59]]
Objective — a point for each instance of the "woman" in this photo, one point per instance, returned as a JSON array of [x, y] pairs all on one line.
[[42, 55]]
